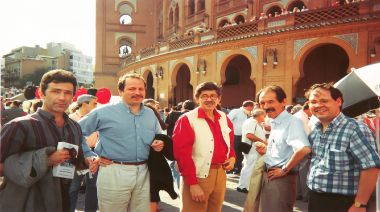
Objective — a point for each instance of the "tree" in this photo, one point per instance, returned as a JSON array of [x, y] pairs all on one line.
[[34, 78]]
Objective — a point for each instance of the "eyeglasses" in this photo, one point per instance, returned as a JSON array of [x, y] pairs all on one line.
[[212, 97]]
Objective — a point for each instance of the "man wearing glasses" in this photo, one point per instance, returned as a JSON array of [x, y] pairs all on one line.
[[203, 148]]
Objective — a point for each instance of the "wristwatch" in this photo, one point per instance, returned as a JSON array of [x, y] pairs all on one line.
[[284, 169], [359, 205]]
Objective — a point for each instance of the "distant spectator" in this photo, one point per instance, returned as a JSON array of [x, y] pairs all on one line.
[[12, 112], [289, 108]]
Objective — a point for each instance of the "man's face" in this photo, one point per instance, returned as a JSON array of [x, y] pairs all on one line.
[[134, 91], [323, 106], [248, 109], [57, 97], [208, 100], [260, 119], [268, 102]]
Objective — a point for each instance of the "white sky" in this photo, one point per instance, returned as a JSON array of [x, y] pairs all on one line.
[[38, 22]]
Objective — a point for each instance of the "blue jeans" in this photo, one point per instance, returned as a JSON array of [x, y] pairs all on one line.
[[91, 197], [175, 173]]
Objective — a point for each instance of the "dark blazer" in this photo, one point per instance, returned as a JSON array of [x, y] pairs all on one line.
[[160, 174]]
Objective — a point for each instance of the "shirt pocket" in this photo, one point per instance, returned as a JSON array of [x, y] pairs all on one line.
[[338, 159]]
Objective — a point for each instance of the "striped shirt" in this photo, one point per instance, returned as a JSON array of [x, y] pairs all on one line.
[[339, 154], [36, 131]]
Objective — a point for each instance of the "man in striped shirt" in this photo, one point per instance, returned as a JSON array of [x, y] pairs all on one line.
[[28, 150], [344, 165]]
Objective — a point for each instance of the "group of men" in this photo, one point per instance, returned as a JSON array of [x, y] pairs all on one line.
[[343, 171]]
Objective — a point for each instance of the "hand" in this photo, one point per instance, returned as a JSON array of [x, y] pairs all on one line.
[[261, 148], [157, 145], [58, 157], [93, 164], [197, 193], [275, 173], [228, 165], [103, 162], [355, 209]]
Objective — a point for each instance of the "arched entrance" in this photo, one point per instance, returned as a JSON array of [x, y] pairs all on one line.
[[238, 86], [326, 63], [149, 86], [183, 89]]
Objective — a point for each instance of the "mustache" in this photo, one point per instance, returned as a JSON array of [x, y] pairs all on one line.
[[269, 110], [137, 96]]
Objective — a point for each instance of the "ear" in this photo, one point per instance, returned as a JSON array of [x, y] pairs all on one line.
[[339, 101], [284, 102], [40, 93], [196, 100], [120, 92]]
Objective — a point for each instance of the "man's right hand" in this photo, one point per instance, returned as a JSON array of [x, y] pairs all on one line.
[[104, 162], [261, 148], [197, 193], [58, 157]]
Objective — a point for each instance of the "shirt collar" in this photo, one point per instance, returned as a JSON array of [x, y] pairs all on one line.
[[283, 115], [202, 114], [334, 123], [50, 116], [126, 106]]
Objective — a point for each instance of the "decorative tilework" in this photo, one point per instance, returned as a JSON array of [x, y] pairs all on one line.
[[220, 55], [299, 44], [191, 60], [171, 63], [252, 51], [351, 39]]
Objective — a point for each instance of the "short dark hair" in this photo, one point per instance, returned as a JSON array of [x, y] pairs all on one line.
[[248, 103], [188, 105], [121, 82], [334, 92], [57, 76], [280, 93], [207, 86]]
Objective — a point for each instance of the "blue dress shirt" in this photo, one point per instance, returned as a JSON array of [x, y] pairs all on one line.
[[123, 136], [287, 136]]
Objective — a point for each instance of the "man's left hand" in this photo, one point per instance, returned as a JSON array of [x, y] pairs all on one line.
[[355, 209], [228, 165], [157, 145], [275, 173]]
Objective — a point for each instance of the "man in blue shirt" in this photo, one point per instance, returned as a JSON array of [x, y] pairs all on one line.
[[344, 165], [287, 146], [126, 131]]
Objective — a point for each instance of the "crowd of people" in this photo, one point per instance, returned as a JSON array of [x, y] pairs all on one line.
[[130, 150]]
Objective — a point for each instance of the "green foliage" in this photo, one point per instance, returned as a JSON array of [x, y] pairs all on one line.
[[34, 78]]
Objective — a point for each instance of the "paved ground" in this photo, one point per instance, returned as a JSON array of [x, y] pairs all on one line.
[[234, 201]]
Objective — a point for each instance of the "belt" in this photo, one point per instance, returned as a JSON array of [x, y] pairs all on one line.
[[126, 163], [291, 172], [216, 166]]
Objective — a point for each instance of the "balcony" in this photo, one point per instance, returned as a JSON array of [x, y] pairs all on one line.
[[146, 52], [324, 14], [318, 18], [181, 43], [241, 29]]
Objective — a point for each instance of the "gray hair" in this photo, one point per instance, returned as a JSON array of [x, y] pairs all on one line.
[[257, 112]]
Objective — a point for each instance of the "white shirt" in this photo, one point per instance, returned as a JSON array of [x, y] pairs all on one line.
[[301, 115], [251, 126], [286, 137]]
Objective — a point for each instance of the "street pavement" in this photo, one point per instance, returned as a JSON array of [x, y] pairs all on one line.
[[233, 201]]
